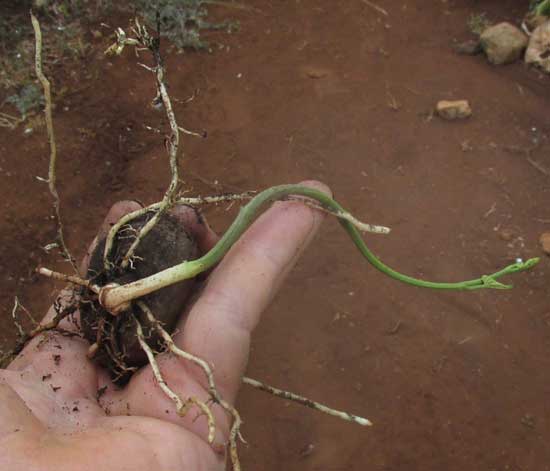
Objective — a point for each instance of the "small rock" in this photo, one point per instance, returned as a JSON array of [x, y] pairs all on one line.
[[315, 72], [452, 110], [472, 47], [528, 420], [538, 51], [545, 242], [466, 146], [307, 450], [503, 43]]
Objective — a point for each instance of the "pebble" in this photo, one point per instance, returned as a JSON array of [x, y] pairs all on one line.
[[451, 110], [503, 43], [545, 242]]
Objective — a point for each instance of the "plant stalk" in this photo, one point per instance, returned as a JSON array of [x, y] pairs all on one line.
[[116, 298]]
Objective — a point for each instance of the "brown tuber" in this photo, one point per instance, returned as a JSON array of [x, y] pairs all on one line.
[[113, 337]]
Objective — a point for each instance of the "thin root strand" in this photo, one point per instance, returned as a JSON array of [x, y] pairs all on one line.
[[69, 279], [345, 216], [212, 390], [51, 138], [181, 406], [306, 402]]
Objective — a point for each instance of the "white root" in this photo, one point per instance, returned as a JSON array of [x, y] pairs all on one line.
[[144, 39], [181, 406], [170, 198], [69, 279], [307, 402], [51, 139], [344, 215], [212, 390], [191, 201], [20, 329]]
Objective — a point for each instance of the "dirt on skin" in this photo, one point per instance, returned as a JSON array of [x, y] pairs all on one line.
[[339, 92]]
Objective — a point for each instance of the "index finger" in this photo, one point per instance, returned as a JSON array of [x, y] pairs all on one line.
[[220, 324]]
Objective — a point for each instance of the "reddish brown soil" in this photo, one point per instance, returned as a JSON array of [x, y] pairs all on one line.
[[303, 91]]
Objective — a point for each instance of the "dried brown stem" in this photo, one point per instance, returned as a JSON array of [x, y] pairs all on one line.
[[51, 138]]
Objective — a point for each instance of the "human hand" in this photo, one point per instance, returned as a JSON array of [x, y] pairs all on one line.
[[51, 417]]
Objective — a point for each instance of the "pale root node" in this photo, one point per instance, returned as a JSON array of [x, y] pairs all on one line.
[[103, 300]]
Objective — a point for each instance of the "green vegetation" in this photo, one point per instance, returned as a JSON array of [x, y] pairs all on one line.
[[541, 7], [64, 23], [182, 21], [27, 99]]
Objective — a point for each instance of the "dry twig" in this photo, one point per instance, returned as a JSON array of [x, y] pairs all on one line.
[[9, 121], [539, 166], [375, 7]]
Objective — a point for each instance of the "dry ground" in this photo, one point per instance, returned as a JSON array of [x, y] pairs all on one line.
[[335, 91]]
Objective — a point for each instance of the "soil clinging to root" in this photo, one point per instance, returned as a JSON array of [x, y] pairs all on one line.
[[166, 245]]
